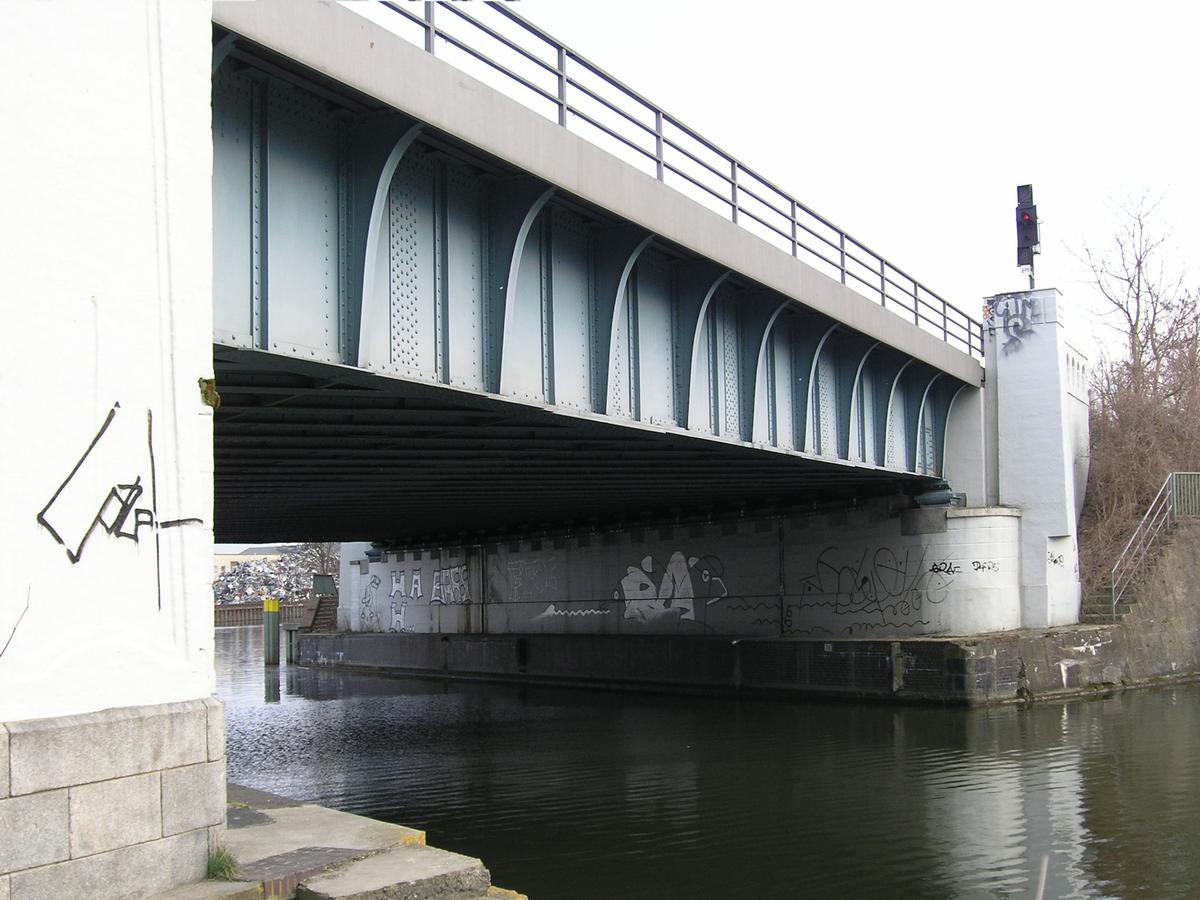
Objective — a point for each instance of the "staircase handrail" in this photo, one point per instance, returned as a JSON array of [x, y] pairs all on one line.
[[1179, 494]]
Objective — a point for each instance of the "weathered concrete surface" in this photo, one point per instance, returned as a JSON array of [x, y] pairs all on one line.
[[412, 873], [34, 829], [216, 728], [111, 814], [193, 797], [211, 890], [3, 762], [267, 826], [103, 804], [283, 847], [139, 870]]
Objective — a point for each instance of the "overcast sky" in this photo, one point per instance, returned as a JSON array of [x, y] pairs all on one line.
[[910, 125]]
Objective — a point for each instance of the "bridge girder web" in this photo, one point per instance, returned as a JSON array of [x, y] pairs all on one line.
[[573, 366]]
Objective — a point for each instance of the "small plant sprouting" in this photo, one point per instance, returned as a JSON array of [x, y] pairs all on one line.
[[221, 865]]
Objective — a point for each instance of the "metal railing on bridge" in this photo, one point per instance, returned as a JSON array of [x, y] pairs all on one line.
[[551, 78], [1178, 498]]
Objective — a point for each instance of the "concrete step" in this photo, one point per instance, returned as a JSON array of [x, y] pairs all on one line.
[[409, 872], [214, 890]]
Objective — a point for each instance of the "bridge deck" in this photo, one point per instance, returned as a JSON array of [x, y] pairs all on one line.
[[310, 452]]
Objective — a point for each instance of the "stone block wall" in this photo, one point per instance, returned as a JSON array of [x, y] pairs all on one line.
[[124, 802]]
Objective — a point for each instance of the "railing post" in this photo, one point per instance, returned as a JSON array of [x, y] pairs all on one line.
[[795, 240], [842, 245], [430, 28], [658, 144], [882, 281], [733, 184], [562, 85]]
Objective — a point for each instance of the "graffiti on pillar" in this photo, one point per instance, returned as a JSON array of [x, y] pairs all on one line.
[[872, 590], [654, 592], [400, 585], [1016, 315], [398, 613], [551, 612], [451, 586], [109, 491], [368, 615], [532, 580]]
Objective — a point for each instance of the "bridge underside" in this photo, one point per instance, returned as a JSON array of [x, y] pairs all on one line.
[[309, 451]]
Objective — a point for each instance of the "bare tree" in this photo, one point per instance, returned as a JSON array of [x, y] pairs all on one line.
[[1145, 415], [320, 558]]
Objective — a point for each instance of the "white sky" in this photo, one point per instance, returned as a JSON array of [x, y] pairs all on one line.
[[910, 125]]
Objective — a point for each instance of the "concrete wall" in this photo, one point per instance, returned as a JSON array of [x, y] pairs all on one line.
[[106, 500], [120, 803], [853, 573], [1038, 409]]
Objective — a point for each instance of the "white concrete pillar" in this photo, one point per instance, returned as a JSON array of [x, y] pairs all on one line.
[[1037, 432], [106, 628]]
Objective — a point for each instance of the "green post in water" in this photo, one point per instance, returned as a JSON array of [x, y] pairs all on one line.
[[270, 631]]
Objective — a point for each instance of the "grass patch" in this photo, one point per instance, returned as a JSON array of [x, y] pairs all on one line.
[[221, 865]]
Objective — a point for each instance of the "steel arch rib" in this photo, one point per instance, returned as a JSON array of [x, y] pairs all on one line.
[[699, 330], [812, 383], [946, 429], [855, 407], [514, 270], [762, 390], [371, 306], [916, 428], [622, 283], [887, 421]]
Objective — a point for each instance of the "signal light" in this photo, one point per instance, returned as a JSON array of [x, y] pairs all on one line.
[[1027, 226]]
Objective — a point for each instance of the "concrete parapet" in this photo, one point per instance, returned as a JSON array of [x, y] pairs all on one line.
[[67, 750], [216, 728], [103, 801]]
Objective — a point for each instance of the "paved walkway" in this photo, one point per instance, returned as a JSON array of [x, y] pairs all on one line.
[[289, 849]]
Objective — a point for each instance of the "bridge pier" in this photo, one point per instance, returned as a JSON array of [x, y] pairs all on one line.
[[112, 764], [1037, 427]]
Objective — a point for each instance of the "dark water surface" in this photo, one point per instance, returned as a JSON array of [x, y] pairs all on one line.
[[589, 794]]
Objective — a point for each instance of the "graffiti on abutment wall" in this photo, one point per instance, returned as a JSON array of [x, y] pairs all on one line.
[[777, 580], [406, 607], [857, 591]]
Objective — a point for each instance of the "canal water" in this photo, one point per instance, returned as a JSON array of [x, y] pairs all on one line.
[[591, 794]]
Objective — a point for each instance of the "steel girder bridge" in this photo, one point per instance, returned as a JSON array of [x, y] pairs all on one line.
[[417, 339]]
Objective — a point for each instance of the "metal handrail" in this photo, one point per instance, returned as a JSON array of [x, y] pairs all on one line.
[[782, 216], [1178, 497]]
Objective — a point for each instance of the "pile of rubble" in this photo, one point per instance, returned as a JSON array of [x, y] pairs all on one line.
[[286, 578]]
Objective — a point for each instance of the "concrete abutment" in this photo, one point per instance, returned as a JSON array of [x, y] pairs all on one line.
[[100, 804]]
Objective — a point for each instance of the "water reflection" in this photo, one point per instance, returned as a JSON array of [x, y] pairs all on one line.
[[577, 794]]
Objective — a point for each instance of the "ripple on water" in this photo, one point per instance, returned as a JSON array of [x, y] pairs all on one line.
[[576, 794]]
